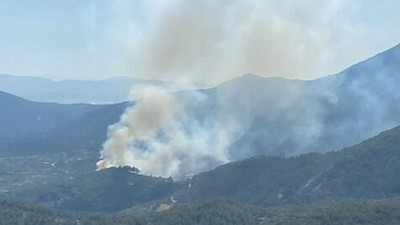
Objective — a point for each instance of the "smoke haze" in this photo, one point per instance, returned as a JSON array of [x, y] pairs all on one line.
[[181, 133], [186, 132], [213, 41], [160, 137]]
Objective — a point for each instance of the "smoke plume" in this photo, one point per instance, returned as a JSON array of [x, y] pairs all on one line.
[[160, 137], [213, 41], [180, 133]]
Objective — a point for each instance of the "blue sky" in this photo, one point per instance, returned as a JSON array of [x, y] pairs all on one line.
[[208, 41], [49, 37]]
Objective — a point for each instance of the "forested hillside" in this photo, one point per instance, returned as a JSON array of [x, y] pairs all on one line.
[[217, 211], [367, 170], [108, 190]]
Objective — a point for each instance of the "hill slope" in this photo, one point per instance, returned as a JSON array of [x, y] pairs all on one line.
[[217, 211], [367, 170], [30, 127], [108, 190]]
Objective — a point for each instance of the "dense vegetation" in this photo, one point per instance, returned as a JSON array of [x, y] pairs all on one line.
[[217, 211], [367, 170], [349, 212], [108, 190]]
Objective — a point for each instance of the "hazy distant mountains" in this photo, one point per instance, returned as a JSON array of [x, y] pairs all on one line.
[[275, 116], [28, 128], [290, 117], [111, 90]]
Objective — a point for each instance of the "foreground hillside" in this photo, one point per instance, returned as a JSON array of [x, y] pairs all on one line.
[[108, 190], [367, 170], [216, 211]]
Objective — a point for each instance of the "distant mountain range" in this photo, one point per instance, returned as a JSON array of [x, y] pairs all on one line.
[[289, 117], [274, 116], [107, 91], [29, 128]]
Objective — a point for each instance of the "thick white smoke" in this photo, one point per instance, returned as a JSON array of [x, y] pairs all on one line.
[[158, 136]]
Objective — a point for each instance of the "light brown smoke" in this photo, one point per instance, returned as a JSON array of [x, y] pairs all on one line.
[[215, 40], [202, 39], [153, 109], [159, 137]]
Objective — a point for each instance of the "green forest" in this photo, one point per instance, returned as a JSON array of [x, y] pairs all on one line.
[[219, 212]]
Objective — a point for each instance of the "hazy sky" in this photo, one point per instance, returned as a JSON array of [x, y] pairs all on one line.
[[202, 40]]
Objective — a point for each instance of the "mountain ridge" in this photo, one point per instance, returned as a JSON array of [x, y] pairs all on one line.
[[106, 91]]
